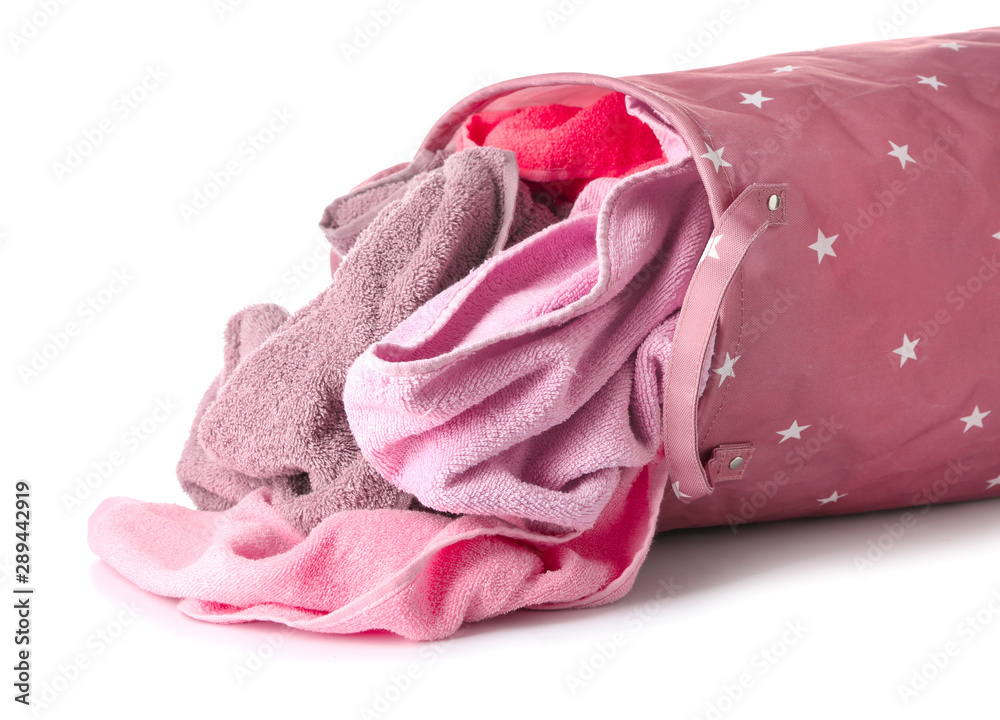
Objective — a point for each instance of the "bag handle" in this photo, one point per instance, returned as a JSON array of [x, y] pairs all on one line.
[[743, 222]]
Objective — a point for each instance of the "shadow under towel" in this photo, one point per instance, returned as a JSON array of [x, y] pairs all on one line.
[[275, 414]]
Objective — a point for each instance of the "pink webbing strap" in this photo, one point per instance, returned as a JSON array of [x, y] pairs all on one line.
[[741, 223]]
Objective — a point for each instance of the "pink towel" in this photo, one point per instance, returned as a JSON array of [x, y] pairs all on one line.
[[414, 573], [420, 574], [515, 392], [275, 415], [560, 142]]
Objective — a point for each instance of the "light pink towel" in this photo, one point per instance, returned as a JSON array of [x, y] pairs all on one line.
[[417, 574], [515, 392]]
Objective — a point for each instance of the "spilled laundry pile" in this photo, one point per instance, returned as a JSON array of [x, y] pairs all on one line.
[[459, 425], [584, 291]]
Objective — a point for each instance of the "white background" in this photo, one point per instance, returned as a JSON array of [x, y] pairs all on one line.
[[159, 339]]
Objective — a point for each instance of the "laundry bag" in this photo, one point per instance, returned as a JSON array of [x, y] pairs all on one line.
[[595, 308]]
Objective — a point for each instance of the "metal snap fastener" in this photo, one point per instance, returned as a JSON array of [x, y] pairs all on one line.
[[774, 202], [736, 463]]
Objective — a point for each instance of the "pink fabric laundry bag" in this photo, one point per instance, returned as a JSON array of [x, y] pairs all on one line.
[[837, 350]]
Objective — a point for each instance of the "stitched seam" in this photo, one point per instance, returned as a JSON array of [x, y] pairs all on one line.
[[762, 206], [695, 441], [739, 340], [670, 372], [683, 109]]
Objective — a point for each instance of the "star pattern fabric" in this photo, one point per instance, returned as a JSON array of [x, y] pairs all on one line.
[[932, 81], [906, 350], [901, 153], [795, 431], [726, 369], [884, 264], [712, 248], [823, 245], [832, 499], [975, 419], [716, 157], [756, 99]]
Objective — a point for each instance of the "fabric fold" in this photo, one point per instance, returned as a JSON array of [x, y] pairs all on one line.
[[276, 415], [417, 574], [510, 393], [561, 142]]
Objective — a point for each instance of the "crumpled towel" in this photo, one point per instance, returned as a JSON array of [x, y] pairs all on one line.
[[275, 414], [515, 392], [416, 574], [564, 143]]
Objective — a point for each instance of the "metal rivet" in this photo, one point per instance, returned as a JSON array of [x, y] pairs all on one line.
[[737, 461], [773, 202]]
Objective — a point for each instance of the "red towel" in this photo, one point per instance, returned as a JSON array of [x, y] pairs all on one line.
[[571, 145]]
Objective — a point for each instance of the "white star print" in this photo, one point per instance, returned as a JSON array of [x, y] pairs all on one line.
[[833, 498], [901, 153], [824, 245], [677, 491], [997, 236], [756, 98], [932, 81], [716, 157], [795, 431], [726, 369], [975, 419], [905, 351], [786, 68], [711, 250], [952, 45], [995, 482]]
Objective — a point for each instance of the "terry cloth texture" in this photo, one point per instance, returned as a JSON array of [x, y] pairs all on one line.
[[513, 393], [275, 415]]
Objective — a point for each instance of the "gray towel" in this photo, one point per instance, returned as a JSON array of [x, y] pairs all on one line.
[[275, 414]]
